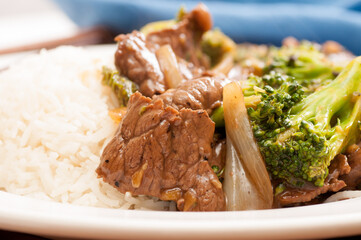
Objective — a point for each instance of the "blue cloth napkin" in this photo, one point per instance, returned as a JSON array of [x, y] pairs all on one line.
[[256, 21]]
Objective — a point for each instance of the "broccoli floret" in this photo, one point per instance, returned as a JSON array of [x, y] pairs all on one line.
[[305, 62], [299, 135], [255, 84], [121, 86], [253, 89]]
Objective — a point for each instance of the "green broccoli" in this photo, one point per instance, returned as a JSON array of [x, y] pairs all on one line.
[[215, 45], [217, 116], [252, 91], [254, 84], [305, 62], [300, 134], [121, 86]]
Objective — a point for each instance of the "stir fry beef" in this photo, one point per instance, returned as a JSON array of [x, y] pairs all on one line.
[[135, 61], [184, 37], [163, 145], [189, 70], [353, 178], [218, 159], [136, 57], [202, 93]]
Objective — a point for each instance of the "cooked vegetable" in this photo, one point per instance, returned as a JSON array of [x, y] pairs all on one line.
[[252, 91], [225, 64], [299, 135], [240, 134], [217, 117], [215, 45], [241, 192], [305, 62], [117, 114], [121, 86], [256, 85], [169, 66]]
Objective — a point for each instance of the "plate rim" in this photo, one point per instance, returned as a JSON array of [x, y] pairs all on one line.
[[54, 219]]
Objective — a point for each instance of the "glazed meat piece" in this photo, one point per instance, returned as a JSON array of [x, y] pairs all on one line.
[[218, 159], [163, 147], [185, 37], [136, 58], [353, 178], [203, 93], [135, 61]]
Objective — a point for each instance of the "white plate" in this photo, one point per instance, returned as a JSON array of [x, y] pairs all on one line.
[[52, 219]]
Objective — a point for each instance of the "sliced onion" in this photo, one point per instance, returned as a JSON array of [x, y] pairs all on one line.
[[225, 65], [343, 196], [169, 66], [240, 133], [240, 191], [117, 114]]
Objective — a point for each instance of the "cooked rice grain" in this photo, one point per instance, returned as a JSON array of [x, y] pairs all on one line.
[[54, 124]]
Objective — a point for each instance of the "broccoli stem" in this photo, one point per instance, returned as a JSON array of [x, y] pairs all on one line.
[[121, 86], [217, 117], [302, 140], [328, 101]]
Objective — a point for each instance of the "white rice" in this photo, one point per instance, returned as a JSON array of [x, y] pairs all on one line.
[[54, 124]]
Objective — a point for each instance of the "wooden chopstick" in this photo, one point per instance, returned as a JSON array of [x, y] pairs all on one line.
[[95, 35]]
